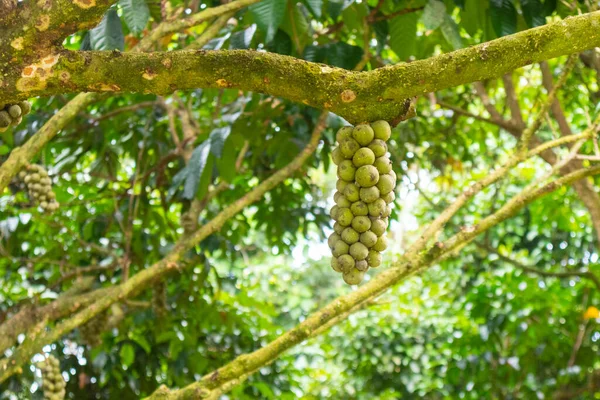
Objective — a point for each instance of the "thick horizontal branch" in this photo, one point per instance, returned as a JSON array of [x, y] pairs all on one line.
[[356, 96]]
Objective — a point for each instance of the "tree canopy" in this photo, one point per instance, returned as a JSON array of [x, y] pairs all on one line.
[[188, 145]]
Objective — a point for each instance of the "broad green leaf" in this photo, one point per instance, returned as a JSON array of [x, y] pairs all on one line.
[[474, 16], [127, 354], [340, 55], [335, 8], [296, 26], [195, 167], [451, 33], [217, 139], [154, 9], [504, 17], [108, 35], [315, 7], [242, 39], [434, 14], [85, 43], [206, 177], [268, 15], [382, 30], [136, 14], [533, 12], [282, 43], [403, 32]]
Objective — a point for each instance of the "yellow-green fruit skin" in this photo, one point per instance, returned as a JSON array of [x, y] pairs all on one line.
[[345, 262], [364, 156], [363, 134], [353, 277], [382, 130], [367, 176]]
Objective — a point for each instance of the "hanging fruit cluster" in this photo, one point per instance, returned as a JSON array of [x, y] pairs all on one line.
[[12, 114], [53, 383], [39, 187], [365, 191]]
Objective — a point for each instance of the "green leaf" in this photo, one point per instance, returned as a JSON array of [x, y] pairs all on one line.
[[154, 9], [474, 16], [340, 54], [108, 35], [382, 30], [268, 15], [195, 167], [434, 14], [282, 44], [296, 26], [242, 39], [504, 17], [403, 33], [217, 139], [533, 12], [315, 7], [136, 14], [335, 8], [451, 33], [127, 354], [178, 179], [85, 43]]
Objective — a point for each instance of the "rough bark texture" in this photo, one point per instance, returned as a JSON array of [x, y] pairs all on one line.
[[356, 96]]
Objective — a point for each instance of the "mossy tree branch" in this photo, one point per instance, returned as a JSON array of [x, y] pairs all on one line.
[[356, 96]]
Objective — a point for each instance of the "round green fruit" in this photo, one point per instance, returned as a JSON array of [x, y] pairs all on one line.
[[353, 277], [337, 228], [379, 225], [349, 147], [369, 195], [333, 239], [344, 216], [333, 213], [382, 130], [383, 165], [361, 265], [378, 147], [364, 156], [368, 238], [346, 171], [340, 185], [336, 196], [342, 201], [367, 176], [388, 197], [340, 248], [14, 111], [35, 177], [335, 264], [377, 208], [387, 212], [358, 251], [386, 183], [374, 258], [359, 208], [345, 262], [350, 236], [363, 134], [352, 192], [345, 132], [5, 119], [25, 107], [381, 244], [361, 224], [337, 156]]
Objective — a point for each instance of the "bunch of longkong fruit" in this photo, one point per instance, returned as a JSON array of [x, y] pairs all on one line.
[[39, 187], [12, 114], [53, 383], [365, 192]]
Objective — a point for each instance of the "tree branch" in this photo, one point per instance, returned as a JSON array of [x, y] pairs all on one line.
[[356, 96]]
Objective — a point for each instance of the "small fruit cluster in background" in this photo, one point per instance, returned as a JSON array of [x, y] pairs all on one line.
[[12, 114], [39, 187], [53, 382]]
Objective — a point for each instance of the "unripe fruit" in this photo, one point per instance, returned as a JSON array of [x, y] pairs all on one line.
[[381, 244], [359, 208], [378, 147], [333, 239], [389, 197], [345, 262], [5, 119], [363, 156], [27, 179], [346, 170], [349, 147], [25, 107], [344, 132], [368, 238], [387, 212], [383, 165], [336, 196], [343, 202], [358, 251], [374, 258], [378, 226], [352, 192], [335, 264], [22, 175], [44, 204], [361, 265], [340, 248], [353, 277], [333, 213], [340, 185], [338, 228], [17, 121], [350, 236], [344, 216], [14, 111], [361, 224], [35, 177], [377, 208], [386, 183], [36, 187], [367, 176], [369, 195], [337, 156], [382, 130], [363, 134], [51, 195]]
